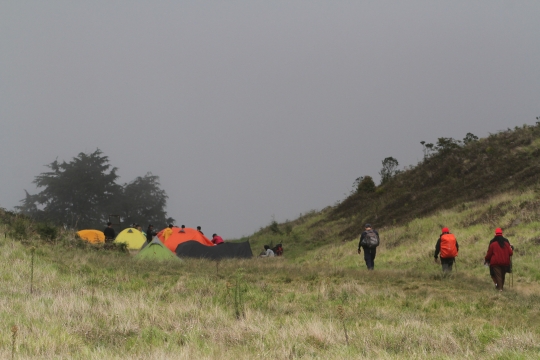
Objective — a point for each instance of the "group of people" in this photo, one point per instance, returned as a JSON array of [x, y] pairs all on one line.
[[271, 252], [498, 256], [110, 234], [216, 239]]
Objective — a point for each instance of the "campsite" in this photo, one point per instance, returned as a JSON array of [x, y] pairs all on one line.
[[277, 180], [67, 297]]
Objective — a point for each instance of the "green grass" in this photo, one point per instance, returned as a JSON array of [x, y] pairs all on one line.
[[91, 304]]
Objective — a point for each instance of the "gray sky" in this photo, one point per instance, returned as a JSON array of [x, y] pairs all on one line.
[[253, 109]]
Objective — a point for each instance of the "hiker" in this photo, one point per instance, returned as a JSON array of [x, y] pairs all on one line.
[[448, 247], [183, 229], [217, 240], [150, 233], [109, 232], [369, 240], [499, 258], [199, 230], [267, 252], [167, 232]]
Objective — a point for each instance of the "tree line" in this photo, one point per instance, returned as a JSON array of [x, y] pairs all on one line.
[[83, 192], [444, 145]]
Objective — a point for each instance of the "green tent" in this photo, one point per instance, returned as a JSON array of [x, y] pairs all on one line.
[[156, 251]]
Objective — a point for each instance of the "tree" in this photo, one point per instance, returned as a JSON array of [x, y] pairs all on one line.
[[77, 194], [447, 145], [143, 202], [470, 138], [82, 193], [364, 184], [427, 148], [389, 169]]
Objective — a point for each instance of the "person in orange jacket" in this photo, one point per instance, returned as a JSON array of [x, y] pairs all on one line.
[[498, 257], [448, 248], [167, 232]]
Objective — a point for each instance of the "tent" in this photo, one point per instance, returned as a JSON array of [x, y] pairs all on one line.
[[226, 250], [155, 250], [179, 237], [132, 237], [92, 236]]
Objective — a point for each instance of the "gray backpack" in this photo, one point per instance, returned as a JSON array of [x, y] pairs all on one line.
[[371, 240]]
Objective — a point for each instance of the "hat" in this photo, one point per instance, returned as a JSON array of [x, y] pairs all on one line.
[[498, 231], [367, 225], [445, 229]]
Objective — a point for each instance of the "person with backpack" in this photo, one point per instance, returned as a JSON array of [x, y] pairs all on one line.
[[448, 248], [499, 258], [369, 240]]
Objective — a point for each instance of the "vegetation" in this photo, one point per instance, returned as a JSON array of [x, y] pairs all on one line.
[[82, 194], [318, 301], [455, 172]]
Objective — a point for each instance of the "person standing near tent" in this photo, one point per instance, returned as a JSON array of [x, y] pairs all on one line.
[[369, 240], [448, 247], [183, 229], [150, 233], [199, 230], [109, 233], [217, 240], [499, 258], [167, 232]]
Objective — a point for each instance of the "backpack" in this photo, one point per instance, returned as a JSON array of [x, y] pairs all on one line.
[[278, 250], [448, 246], [371, 240]]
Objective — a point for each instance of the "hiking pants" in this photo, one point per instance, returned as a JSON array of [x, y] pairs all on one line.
[[369, 257], [499, 275], [447, 264]]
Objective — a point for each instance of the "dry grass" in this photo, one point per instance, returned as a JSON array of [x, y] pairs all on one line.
[[103, 305]]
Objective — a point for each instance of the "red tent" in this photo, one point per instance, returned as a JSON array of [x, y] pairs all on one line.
[[178, 237]]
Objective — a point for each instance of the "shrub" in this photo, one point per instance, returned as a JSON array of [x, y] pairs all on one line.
[[47, 232]]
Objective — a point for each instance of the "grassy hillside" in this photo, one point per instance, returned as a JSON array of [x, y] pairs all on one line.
[[316, 302], [93, 304]]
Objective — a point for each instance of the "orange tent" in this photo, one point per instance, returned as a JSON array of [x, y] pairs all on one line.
[[92, 236], [179, 237]]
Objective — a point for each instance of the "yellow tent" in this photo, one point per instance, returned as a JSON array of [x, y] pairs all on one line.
[[132, 237], [92, 236]]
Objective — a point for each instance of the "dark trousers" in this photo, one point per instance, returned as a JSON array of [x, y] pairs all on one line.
[[447, 264], [499, 274], [369, 257]]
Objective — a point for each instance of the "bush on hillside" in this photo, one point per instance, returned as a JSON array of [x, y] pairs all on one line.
[[455, 172]]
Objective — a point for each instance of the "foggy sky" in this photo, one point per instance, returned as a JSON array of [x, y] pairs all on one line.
[[249, 110]]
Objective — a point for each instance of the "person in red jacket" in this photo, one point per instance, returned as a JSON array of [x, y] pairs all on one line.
[[217, 240], [498, 258], [448, 247]]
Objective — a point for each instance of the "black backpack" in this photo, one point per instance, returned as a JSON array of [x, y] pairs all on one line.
[[371, 240]]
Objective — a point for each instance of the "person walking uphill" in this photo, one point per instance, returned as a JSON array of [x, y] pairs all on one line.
[[498, 257], [448, 247], [369, 240]]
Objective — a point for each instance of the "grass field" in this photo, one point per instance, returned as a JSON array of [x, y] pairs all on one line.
[[320, 303]]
